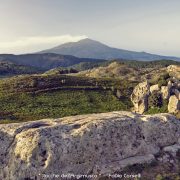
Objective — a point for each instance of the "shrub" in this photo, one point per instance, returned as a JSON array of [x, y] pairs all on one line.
[[162, 81], [155, 100]]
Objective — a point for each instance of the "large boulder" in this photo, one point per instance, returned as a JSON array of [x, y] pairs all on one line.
[[174, 104], [139, 97], [96, 144]]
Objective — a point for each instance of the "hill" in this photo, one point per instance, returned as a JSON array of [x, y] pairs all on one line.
[[130, 63], [88, 48], [45, 61], [130, 70], [9, 69]]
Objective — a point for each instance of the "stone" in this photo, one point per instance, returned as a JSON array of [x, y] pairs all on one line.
[[172, 149], [165, 90], [154, 88], [174, 70], [139, 97], [174, 104], [84, 144], [177, 93]]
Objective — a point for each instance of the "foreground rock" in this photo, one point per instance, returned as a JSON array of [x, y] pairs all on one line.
[[87, 144]]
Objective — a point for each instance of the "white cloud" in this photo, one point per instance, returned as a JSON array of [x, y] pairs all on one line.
[[37, 43]]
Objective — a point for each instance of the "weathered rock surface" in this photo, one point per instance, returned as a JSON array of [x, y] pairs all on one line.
[[177, 93], [174, 70], [174, 104], [154, 88], [166, 90], [86, 144], [139, 97]]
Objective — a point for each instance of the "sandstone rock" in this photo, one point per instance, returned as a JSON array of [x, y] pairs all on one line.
[[165, 90], [139, 97], [85, 144], [173, 105], [154, 88], [174, 70]]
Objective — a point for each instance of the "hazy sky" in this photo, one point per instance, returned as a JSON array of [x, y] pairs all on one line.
[[141, 25]]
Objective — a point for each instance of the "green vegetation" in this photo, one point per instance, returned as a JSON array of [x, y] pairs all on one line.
[[158, 109], [55, 95], [25, 107], [155, 100], [61, 70], [130, 63], [149, 64], [90, 65], [34, 97], [8, 69], [163, 79]]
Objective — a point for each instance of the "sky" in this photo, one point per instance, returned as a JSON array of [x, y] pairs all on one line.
[[28, 26]]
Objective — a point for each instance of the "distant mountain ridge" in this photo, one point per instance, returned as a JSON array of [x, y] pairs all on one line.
[[88, 48]]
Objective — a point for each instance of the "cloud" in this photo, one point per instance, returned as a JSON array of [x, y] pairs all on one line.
[[36, 43]]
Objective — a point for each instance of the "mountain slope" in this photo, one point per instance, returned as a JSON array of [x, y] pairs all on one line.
[[88, 48], [44, 61], [8, 68]]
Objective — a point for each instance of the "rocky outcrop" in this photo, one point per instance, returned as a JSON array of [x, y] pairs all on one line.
[[166, 90], [154, 88], [142, 95], [174, 104], [96, 144], [174, 70], [139, 97]]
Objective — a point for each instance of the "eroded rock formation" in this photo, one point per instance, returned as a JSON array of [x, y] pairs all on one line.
[[139, 97], [174, 70], [87, 144], [142, 92], [174, 104]]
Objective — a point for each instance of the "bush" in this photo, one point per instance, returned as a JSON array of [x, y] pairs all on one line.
[[156, 110], [163, 79], [155, 100]]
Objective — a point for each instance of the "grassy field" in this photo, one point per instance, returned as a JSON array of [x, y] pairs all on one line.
[[27, 98]]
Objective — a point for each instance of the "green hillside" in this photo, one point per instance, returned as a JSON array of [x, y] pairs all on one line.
[[9, 69], [130, 63], [34, 97]]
